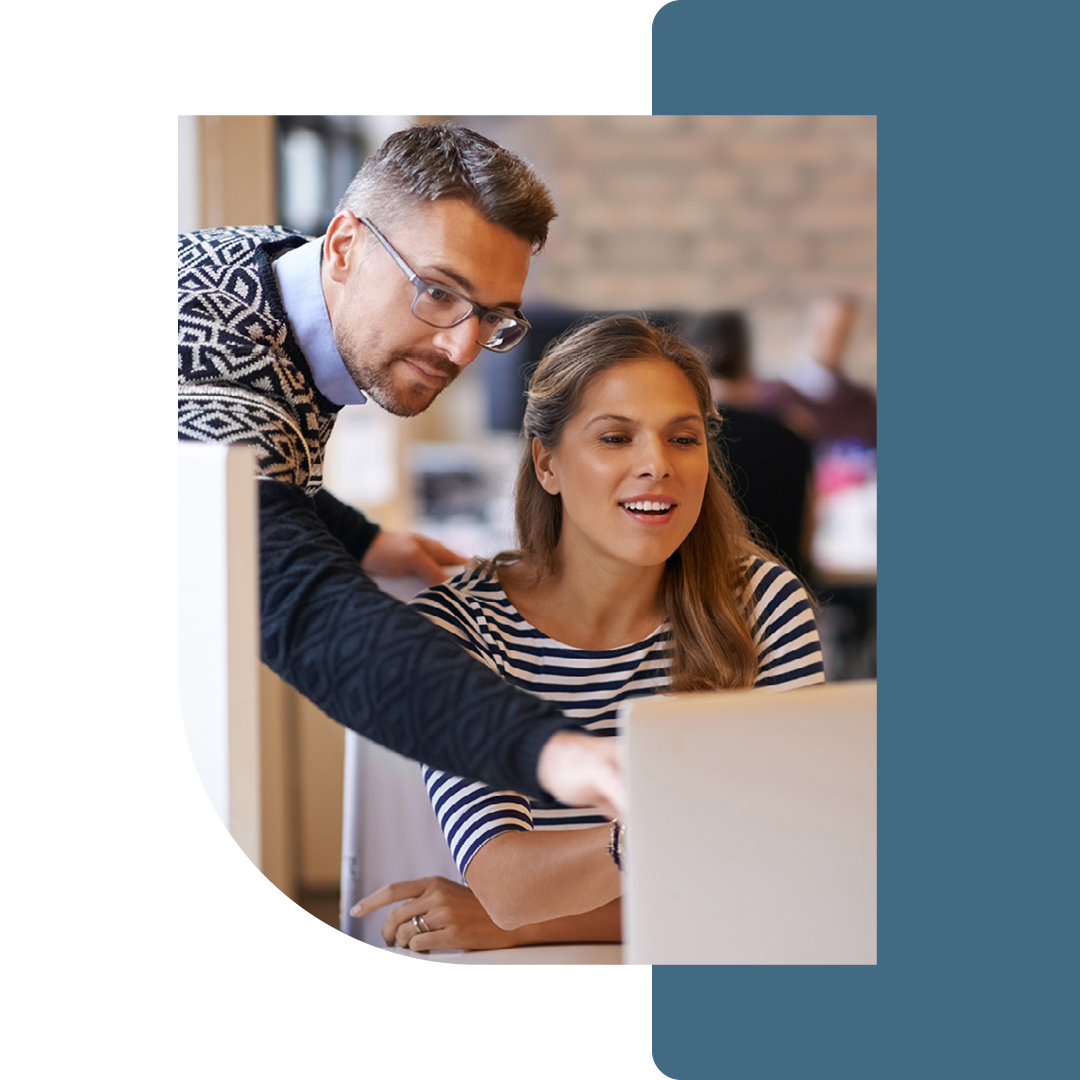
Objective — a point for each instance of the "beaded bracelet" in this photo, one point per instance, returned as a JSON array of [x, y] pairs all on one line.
[[615, 843]]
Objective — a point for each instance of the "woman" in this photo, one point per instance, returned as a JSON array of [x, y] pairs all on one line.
[[635, 575]]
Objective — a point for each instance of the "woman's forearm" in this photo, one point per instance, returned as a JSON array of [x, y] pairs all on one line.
[[602, 924], [532, 877]]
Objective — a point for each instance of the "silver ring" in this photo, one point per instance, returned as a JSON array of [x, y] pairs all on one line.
[[421, 926]]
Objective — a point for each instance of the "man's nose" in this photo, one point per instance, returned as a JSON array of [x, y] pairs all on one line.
[[460, 341]]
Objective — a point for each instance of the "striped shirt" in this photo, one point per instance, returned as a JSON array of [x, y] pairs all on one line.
[[588, 685]]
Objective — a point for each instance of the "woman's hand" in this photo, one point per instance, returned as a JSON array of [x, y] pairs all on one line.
[[454, 917]]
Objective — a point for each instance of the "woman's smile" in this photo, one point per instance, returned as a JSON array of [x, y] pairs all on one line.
[[657, 510]]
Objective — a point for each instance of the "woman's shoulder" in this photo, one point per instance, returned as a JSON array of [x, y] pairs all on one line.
[[476, 583], [478, 577], [768, 583], [761, 572]]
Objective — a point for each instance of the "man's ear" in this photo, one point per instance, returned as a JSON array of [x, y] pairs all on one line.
[[544, 466], [342, 246]]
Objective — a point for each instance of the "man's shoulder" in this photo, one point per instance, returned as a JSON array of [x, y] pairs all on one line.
[[225, 276], [226, 247], [208, 257]]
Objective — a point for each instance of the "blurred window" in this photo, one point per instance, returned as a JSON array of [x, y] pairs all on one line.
[[317, 157]]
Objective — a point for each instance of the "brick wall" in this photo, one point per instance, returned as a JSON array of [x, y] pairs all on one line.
[[700, 212]]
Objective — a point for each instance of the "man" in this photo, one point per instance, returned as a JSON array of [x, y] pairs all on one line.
[[816, 398], [423, 265]]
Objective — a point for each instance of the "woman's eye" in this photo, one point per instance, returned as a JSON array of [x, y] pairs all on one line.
[[613, 440], [687, 440]]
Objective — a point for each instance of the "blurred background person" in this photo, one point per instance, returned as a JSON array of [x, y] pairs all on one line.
[[815, 397], [770, 467], [839, 419]]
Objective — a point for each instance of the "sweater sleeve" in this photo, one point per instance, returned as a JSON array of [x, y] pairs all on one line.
[[380, 668], [346, 523]]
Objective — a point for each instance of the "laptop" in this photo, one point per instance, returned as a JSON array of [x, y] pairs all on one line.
[[752, 827]]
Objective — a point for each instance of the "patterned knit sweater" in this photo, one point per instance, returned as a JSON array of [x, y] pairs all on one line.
[[367, 660], [242, 375]]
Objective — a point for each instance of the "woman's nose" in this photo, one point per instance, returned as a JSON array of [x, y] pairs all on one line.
[[654, 460]]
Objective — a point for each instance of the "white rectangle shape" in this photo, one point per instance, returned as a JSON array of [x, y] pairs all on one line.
[[14, 426], [752, 827], [91, 822], [92, 365], [88, 395], [91, 309], [89, 667], [32, 339]]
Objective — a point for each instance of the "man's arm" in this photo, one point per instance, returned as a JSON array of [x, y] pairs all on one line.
[[380, 668], [345, 523], [384, 552]]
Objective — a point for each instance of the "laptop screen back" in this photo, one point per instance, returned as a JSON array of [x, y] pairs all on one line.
[[752, 827]]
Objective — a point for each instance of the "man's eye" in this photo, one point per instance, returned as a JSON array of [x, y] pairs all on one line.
[[613, 440], [493, 318], [435, 293]]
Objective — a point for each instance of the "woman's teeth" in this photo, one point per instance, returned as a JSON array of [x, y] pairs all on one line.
[[647, 506]]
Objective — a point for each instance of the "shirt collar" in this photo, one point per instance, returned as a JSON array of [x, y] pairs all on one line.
[[299, 278]]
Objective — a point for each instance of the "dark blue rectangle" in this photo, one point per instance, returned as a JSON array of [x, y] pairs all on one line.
[[80, 274]]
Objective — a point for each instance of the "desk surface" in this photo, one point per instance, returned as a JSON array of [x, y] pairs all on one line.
[[526, 954]]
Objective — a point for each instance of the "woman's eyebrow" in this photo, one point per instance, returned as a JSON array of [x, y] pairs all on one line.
[[630, 420], [611, 416]]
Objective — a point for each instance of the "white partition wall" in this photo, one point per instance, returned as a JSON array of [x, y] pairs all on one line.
[[219, 630]]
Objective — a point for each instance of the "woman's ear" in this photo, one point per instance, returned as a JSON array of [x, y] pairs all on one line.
[[543, 464]]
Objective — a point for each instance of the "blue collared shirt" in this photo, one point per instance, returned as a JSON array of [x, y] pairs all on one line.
[[300, 282]]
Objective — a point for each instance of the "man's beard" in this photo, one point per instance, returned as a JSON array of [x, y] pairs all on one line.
[[413, 399], [388, 383]]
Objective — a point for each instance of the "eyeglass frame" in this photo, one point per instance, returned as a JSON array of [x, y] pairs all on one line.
[[421, 286]]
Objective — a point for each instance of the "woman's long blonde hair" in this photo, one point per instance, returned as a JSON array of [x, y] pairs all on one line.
[[702, 589]]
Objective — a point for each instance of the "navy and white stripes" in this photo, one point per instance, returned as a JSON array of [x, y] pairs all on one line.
[[587, 685]]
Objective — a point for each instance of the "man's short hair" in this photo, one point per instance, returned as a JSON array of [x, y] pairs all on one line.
[[446, 161]]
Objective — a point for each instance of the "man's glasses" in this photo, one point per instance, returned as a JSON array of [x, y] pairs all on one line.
[[438, 306]]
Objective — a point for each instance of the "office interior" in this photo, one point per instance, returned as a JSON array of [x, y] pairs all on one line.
[[676, 217]]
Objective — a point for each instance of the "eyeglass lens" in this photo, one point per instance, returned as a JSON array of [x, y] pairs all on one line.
[[440, 307]]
